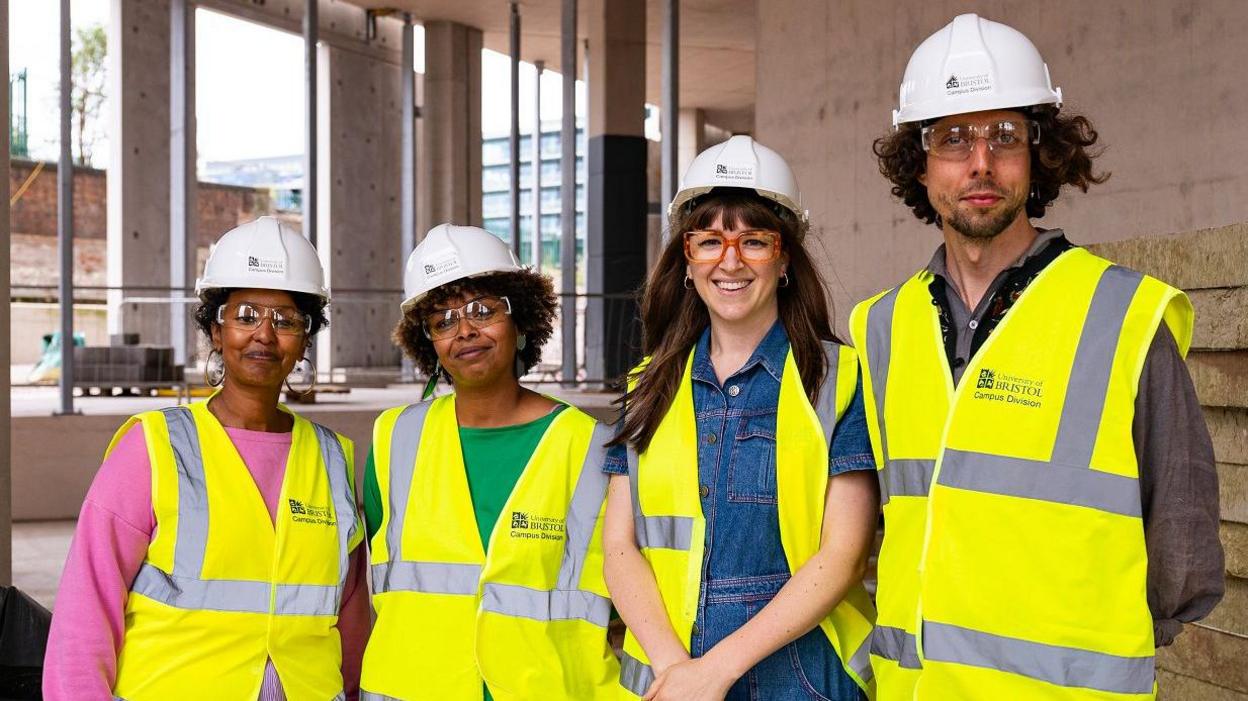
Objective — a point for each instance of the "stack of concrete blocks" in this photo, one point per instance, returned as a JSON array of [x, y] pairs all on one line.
[[1209, 660]]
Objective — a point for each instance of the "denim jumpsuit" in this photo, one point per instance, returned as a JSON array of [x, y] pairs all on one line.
[[744, 565]]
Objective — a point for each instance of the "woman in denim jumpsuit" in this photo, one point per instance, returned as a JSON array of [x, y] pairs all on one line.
[[744, 566]]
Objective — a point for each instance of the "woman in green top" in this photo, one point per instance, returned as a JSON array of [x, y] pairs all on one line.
[[481, 506]]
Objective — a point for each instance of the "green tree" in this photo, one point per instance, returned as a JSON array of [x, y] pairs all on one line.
[[90, 46]]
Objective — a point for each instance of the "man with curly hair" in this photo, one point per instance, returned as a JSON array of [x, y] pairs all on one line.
[[1050, 495], [482, 506]]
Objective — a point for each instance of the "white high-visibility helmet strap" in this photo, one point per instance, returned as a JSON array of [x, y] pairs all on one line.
[[264, 254], [973, 65], [740, 162], [449, 253]]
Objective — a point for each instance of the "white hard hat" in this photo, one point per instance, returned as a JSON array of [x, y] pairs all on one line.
[[740, 162], [973, 65], [449, 253], [265, 254]]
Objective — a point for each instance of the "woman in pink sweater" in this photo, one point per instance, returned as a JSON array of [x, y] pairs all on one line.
[[216, 554]]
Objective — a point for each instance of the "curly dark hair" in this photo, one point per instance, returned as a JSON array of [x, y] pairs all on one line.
[[1063, 157], [533, 307], [205, 314]]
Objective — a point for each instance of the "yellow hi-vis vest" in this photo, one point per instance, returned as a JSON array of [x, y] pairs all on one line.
[[1013, 564], [224, 588], [670, 528], [529, 614]]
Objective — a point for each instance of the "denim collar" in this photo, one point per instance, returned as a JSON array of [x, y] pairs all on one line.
[[771, 353]]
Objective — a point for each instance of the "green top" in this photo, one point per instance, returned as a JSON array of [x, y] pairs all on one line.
[[494, 458]]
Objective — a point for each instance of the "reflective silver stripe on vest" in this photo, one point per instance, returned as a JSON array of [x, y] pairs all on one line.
[[404, 444], [860, 661], [1064, 666], [426, 577], [635, 675], [185, 588], [897, 645], [825, 402], [1037, 479], [1094, 358], [583, 510], [879, 355], [370, 696], [201, 594], [192, 537], [908, 478], [307, 599], [340, 696], [343, 493], [556, 605]]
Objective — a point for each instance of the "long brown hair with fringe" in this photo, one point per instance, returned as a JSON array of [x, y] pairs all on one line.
[[673, 316]]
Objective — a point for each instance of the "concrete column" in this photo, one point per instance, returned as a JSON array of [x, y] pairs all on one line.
[[139, 166], [183, 179], [616, 243], [6, 461], [669, 115], [692, 131], [449, 180], [360, 118]]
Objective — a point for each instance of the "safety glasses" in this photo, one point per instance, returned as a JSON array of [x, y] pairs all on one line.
[[954, 142], [247, 316], [480, 313]]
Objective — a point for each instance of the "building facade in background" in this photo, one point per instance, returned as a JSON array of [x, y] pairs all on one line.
[[496, 191]]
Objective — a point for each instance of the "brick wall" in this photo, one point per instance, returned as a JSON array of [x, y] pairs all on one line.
[[1209, 660], [221, 207]]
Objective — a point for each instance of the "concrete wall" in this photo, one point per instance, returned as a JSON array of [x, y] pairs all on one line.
[[359, 180], [1153, 77], [1208, 660]]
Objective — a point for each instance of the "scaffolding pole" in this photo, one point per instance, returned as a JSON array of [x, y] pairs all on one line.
[[515, 128], [567, 192], [670, 117], [537, 166], [65, 218]]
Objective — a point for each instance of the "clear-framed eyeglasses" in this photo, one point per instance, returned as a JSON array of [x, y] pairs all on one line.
[[954, 142], [480, 313], [247, 316]]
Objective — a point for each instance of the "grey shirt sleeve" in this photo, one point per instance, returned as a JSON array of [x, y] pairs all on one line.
[[1179, 491]]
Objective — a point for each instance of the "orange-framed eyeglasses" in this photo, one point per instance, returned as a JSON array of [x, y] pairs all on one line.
[[753, 246]]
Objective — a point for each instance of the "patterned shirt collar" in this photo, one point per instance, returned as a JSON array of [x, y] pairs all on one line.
[[938, 266]]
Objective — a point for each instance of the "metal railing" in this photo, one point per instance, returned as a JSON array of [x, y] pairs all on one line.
[[606, 324]]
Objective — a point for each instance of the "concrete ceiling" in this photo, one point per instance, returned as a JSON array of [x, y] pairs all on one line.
[[716, 45]]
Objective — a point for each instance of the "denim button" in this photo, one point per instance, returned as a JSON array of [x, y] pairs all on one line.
[[711, 438], [705, 491], [734, 391], [973, 324]]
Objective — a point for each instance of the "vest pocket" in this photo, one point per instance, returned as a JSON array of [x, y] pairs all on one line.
[[752, 467]]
